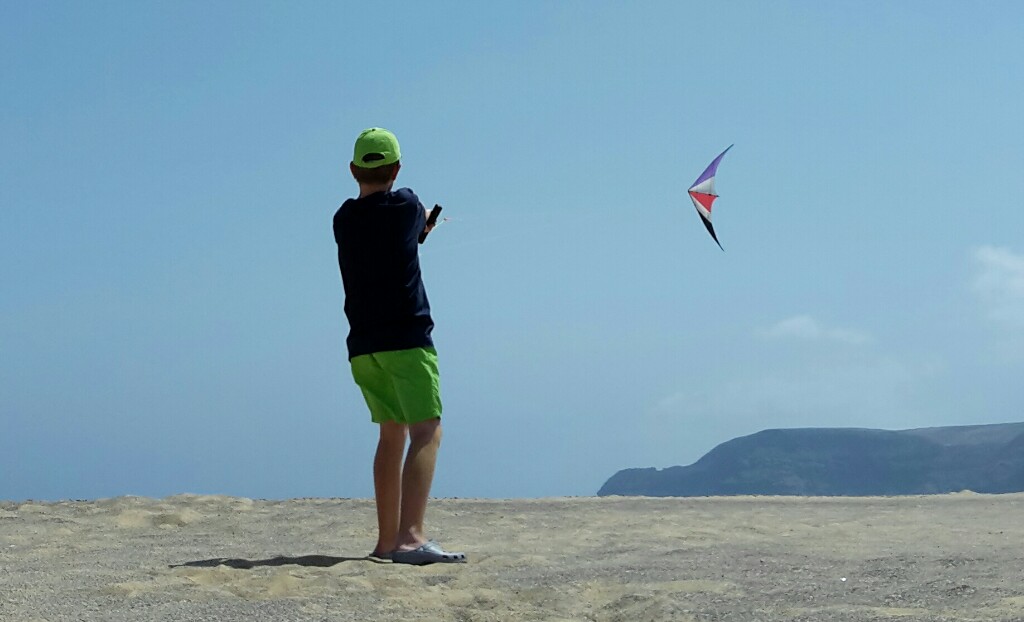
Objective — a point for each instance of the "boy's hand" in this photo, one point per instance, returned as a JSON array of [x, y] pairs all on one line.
[[431, 222]]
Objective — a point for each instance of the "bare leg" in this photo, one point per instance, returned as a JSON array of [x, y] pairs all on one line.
[[387, 484], [418, 475]]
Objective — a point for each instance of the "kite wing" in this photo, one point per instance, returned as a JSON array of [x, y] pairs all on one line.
[[702, 193]]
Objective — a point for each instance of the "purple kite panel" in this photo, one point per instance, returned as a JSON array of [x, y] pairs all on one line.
[[709, 172]]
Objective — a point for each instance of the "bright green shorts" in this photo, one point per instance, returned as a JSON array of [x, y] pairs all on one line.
[[400, 386]]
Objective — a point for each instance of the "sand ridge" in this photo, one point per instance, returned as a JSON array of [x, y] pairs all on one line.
[[207, 557]]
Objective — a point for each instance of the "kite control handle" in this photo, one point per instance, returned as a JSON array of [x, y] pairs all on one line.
[[431, 221]]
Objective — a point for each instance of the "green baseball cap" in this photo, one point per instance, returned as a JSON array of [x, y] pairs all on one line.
[[376, 147]]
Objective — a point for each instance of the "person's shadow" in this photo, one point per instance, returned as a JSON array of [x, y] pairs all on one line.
[[321, 561]]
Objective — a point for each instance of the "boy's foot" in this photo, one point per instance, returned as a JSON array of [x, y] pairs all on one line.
[[429, 553], [380, 556]]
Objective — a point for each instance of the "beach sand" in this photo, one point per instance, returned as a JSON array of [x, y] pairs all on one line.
[[931, 558]]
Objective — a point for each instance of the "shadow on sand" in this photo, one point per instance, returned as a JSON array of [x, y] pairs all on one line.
[[321, 561]]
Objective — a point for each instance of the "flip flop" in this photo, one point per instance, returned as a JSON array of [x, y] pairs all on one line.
[[379, 556], [429, 553]]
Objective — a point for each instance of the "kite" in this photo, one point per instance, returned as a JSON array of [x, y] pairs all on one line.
[[702, 193]]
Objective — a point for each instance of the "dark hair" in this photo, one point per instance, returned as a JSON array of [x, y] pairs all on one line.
[[379, 175]]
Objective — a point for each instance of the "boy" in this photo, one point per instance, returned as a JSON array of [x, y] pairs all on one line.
[[389, 344]]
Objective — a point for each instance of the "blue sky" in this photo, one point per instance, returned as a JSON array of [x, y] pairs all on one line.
[[171, 310]]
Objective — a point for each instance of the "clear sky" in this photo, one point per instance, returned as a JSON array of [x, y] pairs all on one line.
[[170, 304]]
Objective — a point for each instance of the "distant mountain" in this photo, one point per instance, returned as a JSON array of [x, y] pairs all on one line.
[[843, 462]]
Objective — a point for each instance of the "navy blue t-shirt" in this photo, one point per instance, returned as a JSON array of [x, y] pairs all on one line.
[[378, 253]]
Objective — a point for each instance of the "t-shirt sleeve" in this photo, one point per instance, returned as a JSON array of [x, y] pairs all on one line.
[[412, 211], [335, 224]]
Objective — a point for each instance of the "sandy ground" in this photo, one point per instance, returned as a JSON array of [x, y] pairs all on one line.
[[952, 557]]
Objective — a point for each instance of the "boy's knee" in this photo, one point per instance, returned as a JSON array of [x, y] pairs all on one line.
[[393, 433], [426, 431]]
